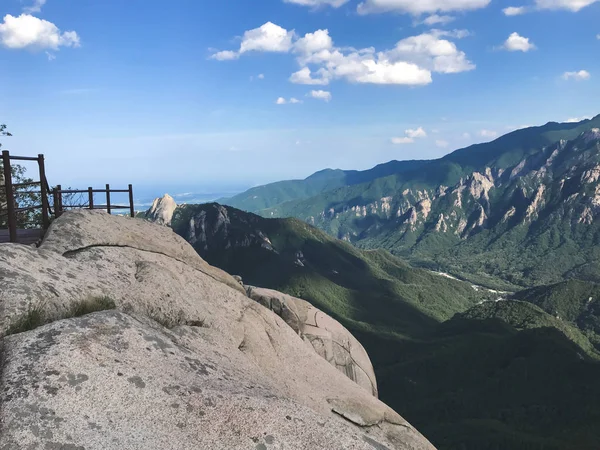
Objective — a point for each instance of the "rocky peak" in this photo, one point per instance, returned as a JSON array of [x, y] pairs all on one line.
[[161, 211], [214, 227], [591, 135]]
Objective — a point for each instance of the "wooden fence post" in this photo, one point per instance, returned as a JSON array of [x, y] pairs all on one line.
[[55, 196], [45, 215], [58, 206], [132, 209], [10, 197], [108, 198], [91, 197]]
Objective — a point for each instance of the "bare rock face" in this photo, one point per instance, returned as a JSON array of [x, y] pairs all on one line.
[[186, 360], [161, 211], [330, 339]]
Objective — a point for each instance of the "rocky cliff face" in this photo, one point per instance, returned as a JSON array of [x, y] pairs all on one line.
[[554, 190], [185, 359]]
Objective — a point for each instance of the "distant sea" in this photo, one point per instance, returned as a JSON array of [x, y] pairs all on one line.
[[144, 195]]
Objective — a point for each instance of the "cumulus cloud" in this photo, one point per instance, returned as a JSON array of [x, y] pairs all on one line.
[[518, 43], [416, 133], [283, 101], [27, 31], [318, 3], [321, 95], [267, 38], [303, 76], [314, 42], [582, 75], [488, 134], [436, 19], [441, 143], [431, 51], [514, 10], [36, 7], [420, 6], [402, 140], [261, 76], [410, 136], [466, 135], [570, 5], [225, 55], [411, 62]]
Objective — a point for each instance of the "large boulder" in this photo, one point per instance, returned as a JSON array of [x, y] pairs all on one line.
[[329, 338], [161, 211], [185, 360]]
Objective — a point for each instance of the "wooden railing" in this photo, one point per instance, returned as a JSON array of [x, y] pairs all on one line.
[[9, 189], [49, 209], [58, 194]]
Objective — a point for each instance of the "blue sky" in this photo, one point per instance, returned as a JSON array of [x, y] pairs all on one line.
[[221, 95]]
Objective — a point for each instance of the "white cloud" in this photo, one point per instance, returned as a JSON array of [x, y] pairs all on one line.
[[421, 6], [441, 143], [514, 10], [416, 133], [570, 5], [402, 140], [314, 42], [51, 56], [466, 135], [488, 133], [598, 36], [27, 31], [436, 19], [267, 38], [321, 95], [430, 51], [35, 8], [410, 135], [261, 76], [317, 3], [283, 101], [577, 76], [577, 119], [225, 55], [303, 76], [410, 63], [517, 43]]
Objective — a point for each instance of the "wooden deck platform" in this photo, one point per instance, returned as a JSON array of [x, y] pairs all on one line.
[[26, 237]]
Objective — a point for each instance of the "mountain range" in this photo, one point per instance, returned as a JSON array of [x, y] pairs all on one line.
[[471, 367], [508, 214], [470, 280]]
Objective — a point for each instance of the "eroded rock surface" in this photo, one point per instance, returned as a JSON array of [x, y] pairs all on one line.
[[330, 339], [224, 373]]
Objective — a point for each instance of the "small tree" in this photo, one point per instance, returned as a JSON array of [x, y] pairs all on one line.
[[24, 197]]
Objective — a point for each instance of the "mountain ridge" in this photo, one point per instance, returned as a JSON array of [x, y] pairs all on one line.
[[478, 213]]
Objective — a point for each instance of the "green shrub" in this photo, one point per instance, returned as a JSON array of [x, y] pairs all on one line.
[[33, 318], [93, 304], [36, 316]]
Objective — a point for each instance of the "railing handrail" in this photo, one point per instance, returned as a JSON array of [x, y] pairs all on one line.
[[95, 191], [57, 207]]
